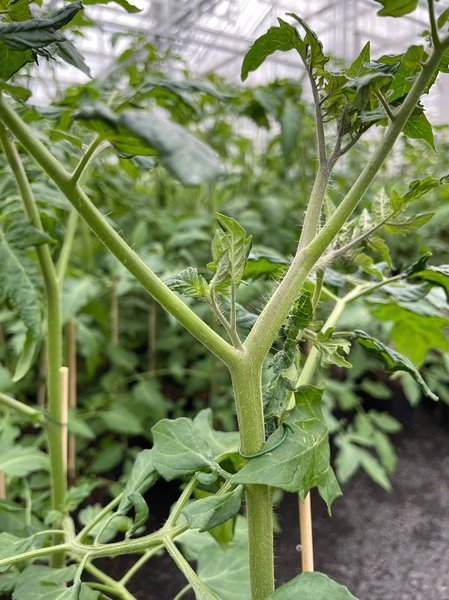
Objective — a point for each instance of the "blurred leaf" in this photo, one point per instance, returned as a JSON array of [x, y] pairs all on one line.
[[20, 462], [18, 287], [392, 360], [313, 586], [211, 511], [76, 293], [413, 335], [187, 158], [130, 8], [179, 449], [374, 469], [26, 358]]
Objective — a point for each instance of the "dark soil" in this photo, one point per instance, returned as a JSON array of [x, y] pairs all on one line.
[[382, 546]]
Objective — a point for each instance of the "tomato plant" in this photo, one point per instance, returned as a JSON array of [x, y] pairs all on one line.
[[272, 358]]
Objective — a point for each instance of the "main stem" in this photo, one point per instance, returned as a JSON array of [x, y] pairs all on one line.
[[54, 426], [246, 381]]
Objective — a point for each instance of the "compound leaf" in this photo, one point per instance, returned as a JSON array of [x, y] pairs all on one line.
[[143, 475]]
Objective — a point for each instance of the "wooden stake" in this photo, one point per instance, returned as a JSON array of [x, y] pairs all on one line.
[[64, 375], [2, 486], [71, 338], [305, 522]]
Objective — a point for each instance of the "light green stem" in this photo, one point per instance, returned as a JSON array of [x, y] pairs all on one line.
[[201, 589], [246, 381], [54, 427], [24, 409], [66, 250], [116, 587]]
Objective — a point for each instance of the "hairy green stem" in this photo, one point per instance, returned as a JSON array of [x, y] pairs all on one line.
[[116, 587], [313, 212], [246, 381], [54, 427], [201, 589]]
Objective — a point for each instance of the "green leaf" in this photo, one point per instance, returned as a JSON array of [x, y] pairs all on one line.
[[396, 8], [11, 545], [211, 511], [416, 189], [143, 475], [314, 57], [11, 61], [38, 33], [331, 348], [283, 38], [392, 360], [18, 288], [260, 263], [329, 489], [187, 158], [225, 570], [435, 275], [142, 512], [358, 68], [20, 462], [230, 249], [69, 54], [189, 283], [413, 335], [179, 449], [407, 224], [384, 421], [221, 443], [419, 128], [302, 460], [312, 586]]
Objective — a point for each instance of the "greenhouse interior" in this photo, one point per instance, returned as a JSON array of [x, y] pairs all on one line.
[[224, 300]]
